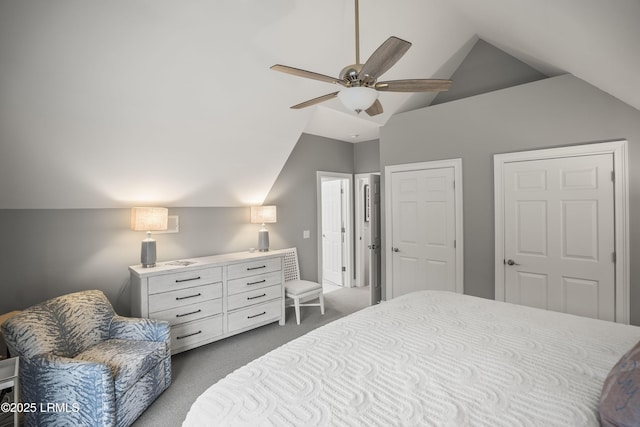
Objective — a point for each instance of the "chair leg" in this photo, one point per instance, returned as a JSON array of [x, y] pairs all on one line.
[[297, 304], [321, 302]]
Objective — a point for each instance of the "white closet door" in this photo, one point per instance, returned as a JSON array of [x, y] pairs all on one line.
[[559, 235], [424, 230]]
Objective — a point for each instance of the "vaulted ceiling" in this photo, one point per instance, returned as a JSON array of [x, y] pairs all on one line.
[[172, 102]]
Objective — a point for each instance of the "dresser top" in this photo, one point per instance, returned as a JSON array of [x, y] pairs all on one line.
[[187, 264]]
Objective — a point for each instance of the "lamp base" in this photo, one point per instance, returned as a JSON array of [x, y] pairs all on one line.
[[148, 253], [263, 240]]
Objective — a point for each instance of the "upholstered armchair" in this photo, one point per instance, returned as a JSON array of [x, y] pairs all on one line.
[[83, 365]]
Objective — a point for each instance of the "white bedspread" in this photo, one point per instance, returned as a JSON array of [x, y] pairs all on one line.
[[427, 358]]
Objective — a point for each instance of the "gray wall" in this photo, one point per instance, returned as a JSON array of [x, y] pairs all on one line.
[[554, 112], [366, 156], [485, 69], [46, 253], [294, 193]]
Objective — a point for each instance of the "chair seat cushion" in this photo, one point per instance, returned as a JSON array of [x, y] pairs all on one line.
[[299, 287], [128, 360]]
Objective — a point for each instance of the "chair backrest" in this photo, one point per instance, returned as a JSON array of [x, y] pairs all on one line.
[[291, 268], [64, 326]]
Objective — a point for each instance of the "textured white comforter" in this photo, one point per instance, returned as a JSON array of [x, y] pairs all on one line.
[[427, 358]]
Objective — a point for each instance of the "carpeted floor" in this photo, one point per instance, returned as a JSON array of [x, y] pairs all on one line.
[[195, 370]]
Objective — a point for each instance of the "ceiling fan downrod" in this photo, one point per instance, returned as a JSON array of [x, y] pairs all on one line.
[[351, 73]]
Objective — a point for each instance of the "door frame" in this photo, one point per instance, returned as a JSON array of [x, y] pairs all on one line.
[[619, 150], [456, 164], [348, 234]]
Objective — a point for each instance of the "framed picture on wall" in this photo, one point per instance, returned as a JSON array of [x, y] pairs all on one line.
[[367, 203]]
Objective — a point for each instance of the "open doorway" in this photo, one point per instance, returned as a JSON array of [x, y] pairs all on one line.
[[363, 235], [335, 250], [367, 234]]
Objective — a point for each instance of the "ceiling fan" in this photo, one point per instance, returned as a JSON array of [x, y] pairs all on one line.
[[360, 81]]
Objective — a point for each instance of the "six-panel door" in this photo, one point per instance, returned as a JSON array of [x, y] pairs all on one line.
[[559, 235]]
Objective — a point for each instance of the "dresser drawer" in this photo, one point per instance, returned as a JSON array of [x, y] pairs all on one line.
[[255, 314], [187, 279], [255, 296], [245, 284], [182, 297], [193, 332], [189, 312], [251, 268]]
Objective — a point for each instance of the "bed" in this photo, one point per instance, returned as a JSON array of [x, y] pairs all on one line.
[[427, 358]]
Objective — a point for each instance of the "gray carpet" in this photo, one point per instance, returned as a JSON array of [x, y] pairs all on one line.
[[195, 370]]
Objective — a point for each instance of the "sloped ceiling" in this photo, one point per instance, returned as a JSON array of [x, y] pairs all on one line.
[[167, 102]]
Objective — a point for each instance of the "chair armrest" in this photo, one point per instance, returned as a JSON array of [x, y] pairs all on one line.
[[140, 329], [84, 391]]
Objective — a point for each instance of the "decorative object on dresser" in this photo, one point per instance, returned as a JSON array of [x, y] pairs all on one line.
[[77, 353], [263, 215], [209, 298], [298, 289], [149, 219]]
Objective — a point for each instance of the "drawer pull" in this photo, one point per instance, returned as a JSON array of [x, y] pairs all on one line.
[[256, 268], [187, 314], [187, 280], [190, 296], [258, 296], [255, 283], [189, 335], [256, 315]]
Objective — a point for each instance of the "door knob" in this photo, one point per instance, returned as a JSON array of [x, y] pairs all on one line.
[[395, 249], [512, 262]]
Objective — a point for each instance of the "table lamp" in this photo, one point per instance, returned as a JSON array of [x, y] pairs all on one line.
[[263, 215], [149, 219]]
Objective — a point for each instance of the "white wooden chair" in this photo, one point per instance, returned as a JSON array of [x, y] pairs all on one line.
[[297, 289]]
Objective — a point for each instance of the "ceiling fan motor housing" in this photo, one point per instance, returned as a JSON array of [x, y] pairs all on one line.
[[351, 75]]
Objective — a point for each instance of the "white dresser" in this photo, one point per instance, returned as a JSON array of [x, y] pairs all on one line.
[[209, 298]]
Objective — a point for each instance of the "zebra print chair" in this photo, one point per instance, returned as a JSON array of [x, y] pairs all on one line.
[[100, 369]]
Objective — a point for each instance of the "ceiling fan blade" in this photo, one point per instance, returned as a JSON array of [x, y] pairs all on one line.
[[308, 74], [375, 109], [315, 101], [414, 85], [384, 57]]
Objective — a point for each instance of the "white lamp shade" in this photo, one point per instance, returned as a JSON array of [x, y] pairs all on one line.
[[358, 98], [263, 214], [149, 219]]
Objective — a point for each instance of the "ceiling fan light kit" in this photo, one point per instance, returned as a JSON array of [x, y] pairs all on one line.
[[358, 98], [360, 83]]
